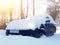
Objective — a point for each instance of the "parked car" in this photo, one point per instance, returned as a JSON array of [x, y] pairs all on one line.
[[34, 26]]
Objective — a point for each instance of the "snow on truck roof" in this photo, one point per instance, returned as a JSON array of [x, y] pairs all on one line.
[[29, 23]]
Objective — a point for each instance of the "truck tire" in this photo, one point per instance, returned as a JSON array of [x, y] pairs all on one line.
[[36, 33], [7, 32], [50, 29]]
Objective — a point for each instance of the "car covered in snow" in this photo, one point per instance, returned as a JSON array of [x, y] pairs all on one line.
[[34, 26]]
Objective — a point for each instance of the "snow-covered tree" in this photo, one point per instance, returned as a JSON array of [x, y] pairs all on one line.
[[54, 8]]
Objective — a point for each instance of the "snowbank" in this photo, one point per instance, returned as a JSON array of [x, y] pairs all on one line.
[[58, 29]]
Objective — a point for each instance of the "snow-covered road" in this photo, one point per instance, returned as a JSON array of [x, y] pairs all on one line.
[[25, 40]]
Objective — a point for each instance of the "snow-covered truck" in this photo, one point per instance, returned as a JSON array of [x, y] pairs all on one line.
[[34, 26]]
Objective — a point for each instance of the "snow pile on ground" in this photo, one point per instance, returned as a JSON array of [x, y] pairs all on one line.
[[58, 29], [2, 32]]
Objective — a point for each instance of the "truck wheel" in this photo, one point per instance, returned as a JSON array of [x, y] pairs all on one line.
[[7, 32], [50, 29], [37, 33]]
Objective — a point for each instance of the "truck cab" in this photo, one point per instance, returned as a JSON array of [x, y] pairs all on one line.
[[34, 26]]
